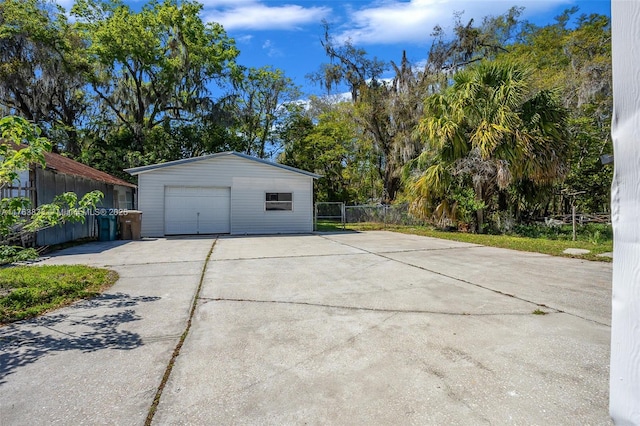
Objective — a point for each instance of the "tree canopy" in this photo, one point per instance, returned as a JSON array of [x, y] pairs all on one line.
[[502, 117], [486, 131]]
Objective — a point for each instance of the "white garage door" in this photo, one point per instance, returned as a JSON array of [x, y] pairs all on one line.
[[196, 210]]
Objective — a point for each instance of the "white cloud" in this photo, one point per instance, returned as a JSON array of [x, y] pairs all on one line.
[[272, 50], [394, 21], [245, 39], [254, 15], [219, 3]]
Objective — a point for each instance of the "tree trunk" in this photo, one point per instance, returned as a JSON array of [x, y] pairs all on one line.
[[479, 212], [391, 185]]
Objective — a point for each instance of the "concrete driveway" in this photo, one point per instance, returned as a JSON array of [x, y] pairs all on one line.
[[348, 328]]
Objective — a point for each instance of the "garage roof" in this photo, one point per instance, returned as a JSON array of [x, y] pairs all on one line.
[[143, 169]]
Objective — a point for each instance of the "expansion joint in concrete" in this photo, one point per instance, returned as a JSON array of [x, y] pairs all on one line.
[[183, 337], [364, 308]]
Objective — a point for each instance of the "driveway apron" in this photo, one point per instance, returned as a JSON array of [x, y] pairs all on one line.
[[385, 328]]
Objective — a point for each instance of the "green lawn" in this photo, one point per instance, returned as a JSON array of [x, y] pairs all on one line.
[[554, 247], [28, 291]]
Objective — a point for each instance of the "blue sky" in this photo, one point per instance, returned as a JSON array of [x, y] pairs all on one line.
[[286, 34]]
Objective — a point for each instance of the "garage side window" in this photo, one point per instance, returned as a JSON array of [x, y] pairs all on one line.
[[279, 201]]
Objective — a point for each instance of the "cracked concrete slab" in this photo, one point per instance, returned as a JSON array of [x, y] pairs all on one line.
[[274, 364], [258, 247], [149, 251], [388, 242], [363, 281], [375, 334], [579, 287]]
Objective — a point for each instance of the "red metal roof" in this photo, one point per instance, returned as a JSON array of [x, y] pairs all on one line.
[[68, 166]]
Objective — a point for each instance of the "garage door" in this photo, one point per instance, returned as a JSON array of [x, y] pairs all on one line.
[[196, 210]]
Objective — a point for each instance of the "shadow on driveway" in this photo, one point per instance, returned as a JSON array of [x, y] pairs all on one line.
[[93, 247], [25, 342]]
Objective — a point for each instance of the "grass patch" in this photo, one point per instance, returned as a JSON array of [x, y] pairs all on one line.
[[553, 247], [539, 312], [29, 291], [328, 226]]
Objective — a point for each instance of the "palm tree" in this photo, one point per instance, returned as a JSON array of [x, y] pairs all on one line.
[[487, 130]]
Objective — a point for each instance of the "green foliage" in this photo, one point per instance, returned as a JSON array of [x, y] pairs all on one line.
[[12, 217], [577, 63], [467, 205], [595, 238], [471, 43], [28, 291], [331, 147], [17, 214], [10, 254], [349, 64], [587, 173], [385, 111], [15, 158], [259, 110], [42, 70], [591, 232], [527, 117], [65, 208], [114, 153], [155, 65], [487, 131]]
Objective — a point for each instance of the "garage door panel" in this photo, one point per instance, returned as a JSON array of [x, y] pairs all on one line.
[[197, 210]]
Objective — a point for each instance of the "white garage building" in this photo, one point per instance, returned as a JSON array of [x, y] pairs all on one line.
[[224, 193]]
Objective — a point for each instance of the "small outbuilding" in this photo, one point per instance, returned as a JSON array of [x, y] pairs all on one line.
[[224, 193], [61, 174]]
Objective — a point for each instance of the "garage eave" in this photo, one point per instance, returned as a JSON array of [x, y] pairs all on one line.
[[144, 169]]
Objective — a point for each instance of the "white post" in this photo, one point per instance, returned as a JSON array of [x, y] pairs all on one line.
[[315, 217], [573, 217], [624, 402]]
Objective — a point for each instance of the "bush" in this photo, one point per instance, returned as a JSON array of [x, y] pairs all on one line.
[[593, 232], [11, 254]]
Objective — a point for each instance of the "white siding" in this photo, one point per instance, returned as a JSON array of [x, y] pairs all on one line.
[[248, 180], [625, 326], [248, 206]]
